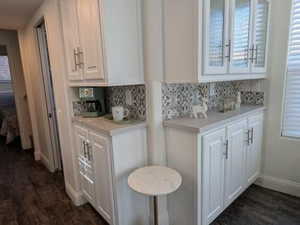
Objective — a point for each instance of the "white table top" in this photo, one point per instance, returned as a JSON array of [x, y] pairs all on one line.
[[155, 180]]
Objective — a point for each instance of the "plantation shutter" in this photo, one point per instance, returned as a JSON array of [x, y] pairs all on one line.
[[291, 118]]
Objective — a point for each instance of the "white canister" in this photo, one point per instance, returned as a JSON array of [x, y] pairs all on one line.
[[119, 113]]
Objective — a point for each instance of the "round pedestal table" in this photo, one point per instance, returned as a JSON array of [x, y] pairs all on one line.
[[155, 181]]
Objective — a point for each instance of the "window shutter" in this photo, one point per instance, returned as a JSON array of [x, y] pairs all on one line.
[[291, 119]]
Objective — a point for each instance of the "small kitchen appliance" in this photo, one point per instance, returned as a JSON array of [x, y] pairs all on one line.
[[93, 101]]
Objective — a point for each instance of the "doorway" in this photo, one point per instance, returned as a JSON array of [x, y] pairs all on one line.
[[55, 159], [9, 127]]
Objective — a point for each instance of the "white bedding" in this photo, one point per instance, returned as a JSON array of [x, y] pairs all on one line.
[[9, 127]]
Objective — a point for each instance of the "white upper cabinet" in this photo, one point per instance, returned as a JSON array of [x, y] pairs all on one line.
[[216, 37], [260, 35], [240, 36], [103, 42], [90, 52], [71, 39], [215, 40]]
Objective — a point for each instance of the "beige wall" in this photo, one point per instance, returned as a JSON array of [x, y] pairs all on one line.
[[30, 56], [281, 160], [10, 40]]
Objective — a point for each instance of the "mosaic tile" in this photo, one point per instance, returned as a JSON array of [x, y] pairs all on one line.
[[178, 99], [116, 96]]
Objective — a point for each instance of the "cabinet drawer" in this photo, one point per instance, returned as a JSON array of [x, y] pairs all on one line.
[[89, 172], [81, 167]]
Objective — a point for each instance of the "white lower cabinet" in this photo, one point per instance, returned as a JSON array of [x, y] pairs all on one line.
[[213, 179], [254, 148], [217, 166], [104, 164], [235, 161]]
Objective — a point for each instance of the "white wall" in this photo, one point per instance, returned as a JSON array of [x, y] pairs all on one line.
[[31, 61], [281, 159], [10, 40]]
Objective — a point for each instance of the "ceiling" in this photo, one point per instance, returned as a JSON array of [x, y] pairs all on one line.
[[15, 13]]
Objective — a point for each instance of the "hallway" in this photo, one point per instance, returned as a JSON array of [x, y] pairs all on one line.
[[30, 195]]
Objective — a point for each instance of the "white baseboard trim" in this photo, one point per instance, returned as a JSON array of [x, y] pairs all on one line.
[[37, 156], [278, 184], [46, 162], [76, 197]]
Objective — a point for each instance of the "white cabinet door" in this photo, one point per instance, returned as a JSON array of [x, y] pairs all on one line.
[[260, 35], [216, 36], [91, 52], [235, 160], [71, 38], [103, 176], [213, 175], [254, 148], [81, 136], [87, 187], [241, 29]]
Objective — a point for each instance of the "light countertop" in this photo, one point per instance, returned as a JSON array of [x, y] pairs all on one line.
[[106, 126], [214, 119]]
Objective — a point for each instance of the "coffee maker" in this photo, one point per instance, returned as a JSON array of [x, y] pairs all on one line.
[[93, 101]]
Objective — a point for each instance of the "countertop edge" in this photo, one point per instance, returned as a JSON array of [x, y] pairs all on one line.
[[173, 124], [112, 132]]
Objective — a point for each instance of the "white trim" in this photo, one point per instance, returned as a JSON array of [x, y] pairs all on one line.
[[46, 162], [76, 197], [37, 156], [278, 184]]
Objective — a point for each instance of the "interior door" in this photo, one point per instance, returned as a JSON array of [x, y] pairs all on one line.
[[71, 38], [91, 51], [216, 36], [260, 36], [235, 161], [103, 176], [254, 148], [213, 175], [55, 161], [240, 37]]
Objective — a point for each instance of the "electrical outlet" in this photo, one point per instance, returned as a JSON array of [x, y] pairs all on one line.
[[128, 95]]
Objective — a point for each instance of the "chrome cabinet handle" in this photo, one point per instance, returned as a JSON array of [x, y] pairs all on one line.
[[248, 136], [89, 153], [84, 149], [229, 51], [76, 64], [80, 55], [252, 54], [226, 149], [256, 54], [252, 135]]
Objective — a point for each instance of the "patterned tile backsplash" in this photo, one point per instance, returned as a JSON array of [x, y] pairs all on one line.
[[178, 99], [116, 96]]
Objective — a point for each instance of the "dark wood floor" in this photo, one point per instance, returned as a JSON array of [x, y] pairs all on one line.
[[260, 206], [30, 195]]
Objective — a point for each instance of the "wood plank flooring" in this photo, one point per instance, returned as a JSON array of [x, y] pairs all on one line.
[[30, 195], [260, 206]]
